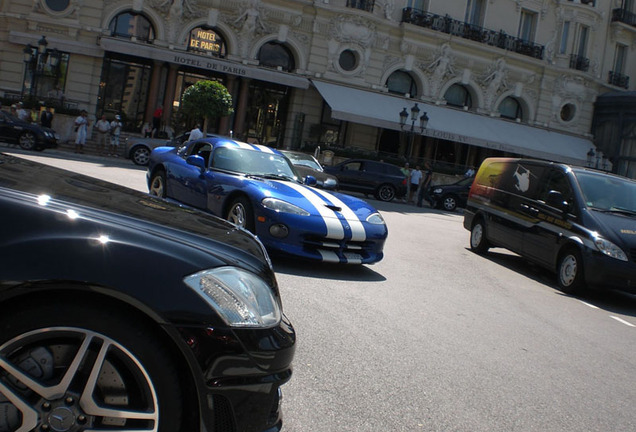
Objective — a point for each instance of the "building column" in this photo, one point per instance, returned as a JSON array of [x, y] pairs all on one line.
[[168, 100], [241, 109], [153, 91]]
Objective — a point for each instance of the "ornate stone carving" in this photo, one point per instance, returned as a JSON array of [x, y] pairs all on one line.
[[440, 67], [348, 29], [494, 82]]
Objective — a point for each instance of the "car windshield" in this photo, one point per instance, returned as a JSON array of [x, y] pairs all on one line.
[[253, 162], [608, 193], [304, 160]]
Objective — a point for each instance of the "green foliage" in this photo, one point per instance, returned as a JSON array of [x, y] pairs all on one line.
[[206, 99]]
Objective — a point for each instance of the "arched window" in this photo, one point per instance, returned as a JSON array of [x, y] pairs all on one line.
[[277, 56], [510, 108], [458, 96], [401, 82], [131, 24], [207, 41]]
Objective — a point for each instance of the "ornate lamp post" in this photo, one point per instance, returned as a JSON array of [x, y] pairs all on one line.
[[36, 62], [423, 122]]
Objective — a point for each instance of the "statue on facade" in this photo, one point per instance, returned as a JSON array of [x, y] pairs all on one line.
[[495, 80], [439, 68]]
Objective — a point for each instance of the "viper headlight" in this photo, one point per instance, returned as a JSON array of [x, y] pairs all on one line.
[[241, 298], [610, 249], [283, 206], [376, 219]]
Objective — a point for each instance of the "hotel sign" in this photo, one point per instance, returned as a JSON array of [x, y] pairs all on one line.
[[205, 40]]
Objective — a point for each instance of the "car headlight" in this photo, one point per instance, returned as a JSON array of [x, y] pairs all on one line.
[[241, 298], [610, 249], [283, 207], [437, 191], [376, 219]]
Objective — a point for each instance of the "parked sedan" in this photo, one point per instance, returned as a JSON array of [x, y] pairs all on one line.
[[29, 136], [257, 188], [306, 165], [138, 148], [384, 181], [450, 196], [120, 311]]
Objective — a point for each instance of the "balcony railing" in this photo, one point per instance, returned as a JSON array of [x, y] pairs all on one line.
[[618, 79], [579, 62], [624, 16], [365, 5], [473, 32]]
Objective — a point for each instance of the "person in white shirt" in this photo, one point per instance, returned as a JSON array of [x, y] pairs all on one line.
[[103, 137], [115, 131], [416, 178], [196, 133]]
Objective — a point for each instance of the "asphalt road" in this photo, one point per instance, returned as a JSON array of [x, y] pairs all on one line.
[[437, 338]]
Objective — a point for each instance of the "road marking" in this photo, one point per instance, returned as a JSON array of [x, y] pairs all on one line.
[[622, 321], [588, 304]]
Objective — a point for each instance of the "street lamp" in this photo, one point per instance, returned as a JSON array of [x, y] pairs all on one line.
[[423, 119], [36, 62]]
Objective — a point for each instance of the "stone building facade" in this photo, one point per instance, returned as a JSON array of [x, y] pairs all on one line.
[[494, 77]]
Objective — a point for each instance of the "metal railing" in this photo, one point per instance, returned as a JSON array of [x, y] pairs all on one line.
[[365, 5], [624, 16], [579, 62], [618, 79], [448, 25]]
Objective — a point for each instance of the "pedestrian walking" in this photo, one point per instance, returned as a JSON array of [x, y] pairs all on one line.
[[416, 178], [115, 131], [46, 118], [422, 193], [406, 170], [81, 130], [103, 134], [156, 120]]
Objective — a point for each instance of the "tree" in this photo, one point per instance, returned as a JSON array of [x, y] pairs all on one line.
[[207, 99]]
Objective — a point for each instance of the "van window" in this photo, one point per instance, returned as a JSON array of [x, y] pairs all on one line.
[[557, 181], [607, 193]]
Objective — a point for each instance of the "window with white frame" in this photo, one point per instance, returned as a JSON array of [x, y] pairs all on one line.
[[582, 40], [565, 34], [420, 5], [620, 58], [475, 10], [527, 25]]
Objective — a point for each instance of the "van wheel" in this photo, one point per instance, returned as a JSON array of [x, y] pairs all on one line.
[[478, 242], [570, 272]]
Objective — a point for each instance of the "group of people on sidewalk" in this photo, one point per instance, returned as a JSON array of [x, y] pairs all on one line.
[[417, 183], [108, 134]]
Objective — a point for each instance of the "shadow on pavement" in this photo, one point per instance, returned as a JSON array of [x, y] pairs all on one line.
[[345, 272]]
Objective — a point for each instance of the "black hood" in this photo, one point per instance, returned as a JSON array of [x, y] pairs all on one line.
[[124, 208], [620, 228]]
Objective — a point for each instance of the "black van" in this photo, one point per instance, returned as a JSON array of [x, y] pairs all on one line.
[[577, 222]]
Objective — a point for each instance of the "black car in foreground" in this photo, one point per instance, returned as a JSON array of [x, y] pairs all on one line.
[[450, 196], [121, 311], [382, 180], [29, 136]]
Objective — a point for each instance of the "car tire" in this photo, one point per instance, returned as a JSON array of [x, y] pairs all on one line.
[[27, 140], [140, 155], [240, 213], [570, 272], [385, 192], [449, 203], [72, 365], [478, 241], [158, 185]]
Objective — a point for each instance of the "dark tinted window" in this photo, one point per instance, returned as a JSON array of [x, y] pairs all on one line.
[[557, 181]]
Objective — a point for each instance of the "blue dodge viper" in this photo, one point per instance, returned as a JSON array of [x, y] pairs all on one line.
[[258, 188]]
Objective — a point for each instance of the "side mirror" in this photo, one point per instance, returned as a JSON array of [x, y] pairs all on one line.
[[555, 199], [310, 180], [197, 161]]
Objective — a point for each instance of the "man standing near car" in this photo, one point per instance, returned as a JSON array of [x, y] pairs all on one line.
[[46, 119], [422, 193], [103, 134], [416, 179]]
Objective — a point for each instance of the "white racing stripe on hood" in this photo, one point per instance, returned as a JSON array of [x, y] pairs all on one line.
[[335, 230], [357, 229]]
